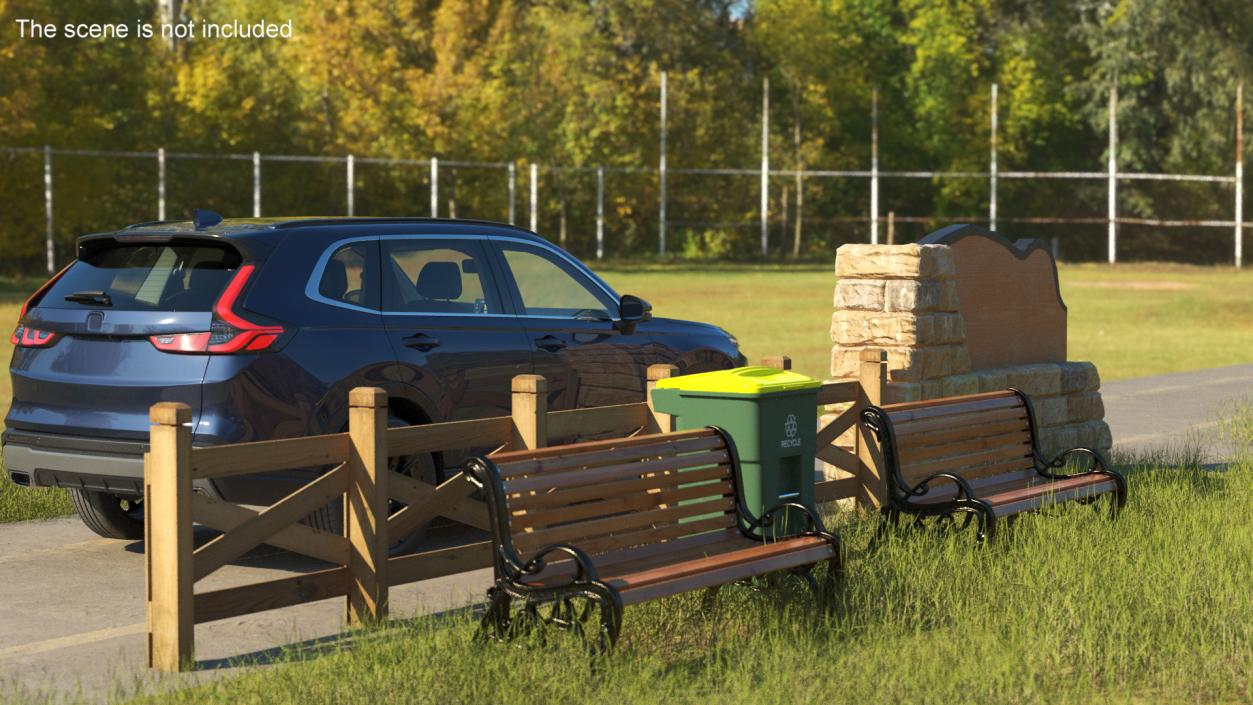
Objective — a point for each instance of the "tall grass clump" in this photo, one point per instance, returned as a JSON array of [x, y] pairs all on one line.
[[1064, 607], [26, 503]]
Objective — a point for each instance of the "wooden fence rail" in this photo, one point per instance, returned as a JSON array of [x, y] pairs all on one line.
[[362, 571]]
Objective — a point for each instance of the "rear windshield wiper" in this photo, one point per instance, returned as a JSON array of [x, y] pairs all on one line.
[[90, 297]]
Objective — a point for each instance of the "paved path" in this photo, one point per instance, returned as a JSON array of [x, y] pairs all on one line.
[[1176, 409], [72, 613]]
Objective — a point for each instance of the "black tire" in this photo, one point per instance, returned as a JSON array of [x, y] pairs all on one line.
[[424, 467], [108, 515]]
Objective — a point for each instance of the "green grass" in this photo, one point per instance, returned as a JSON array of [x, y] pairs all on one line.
[[1139, 320], [1065, 608], [21, 503], [26, 503], [1131, 320]]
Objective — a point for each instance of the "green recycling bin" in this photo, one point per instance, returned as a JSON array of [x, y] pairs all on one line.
[[771, 415]]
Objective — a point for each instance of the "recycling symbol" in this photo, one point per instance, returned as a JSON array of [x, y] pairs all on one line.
[[790, 429]]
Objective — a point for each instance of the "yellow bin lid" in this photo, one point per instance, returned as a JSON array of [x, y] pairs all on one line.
[[741, 380]]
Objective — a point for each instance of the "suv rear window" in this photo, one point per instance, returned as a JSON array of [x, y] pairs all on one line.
[[158, 277]]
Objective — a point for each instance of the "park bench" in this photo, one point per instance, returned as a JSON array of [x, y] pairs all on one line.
[[978, 455], [581, 530]]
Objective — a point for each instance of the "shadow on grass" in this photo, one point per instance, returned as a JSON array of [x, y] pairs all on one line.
[[343, 641]]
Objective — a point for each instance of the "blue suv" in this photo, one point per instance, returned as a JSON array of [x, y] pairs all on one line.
[[262, 326]]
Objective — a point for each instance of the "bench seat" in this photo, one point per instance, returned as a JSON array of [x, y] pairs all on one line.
[[682, 565], [623, 521], [1025, 490], [979, 454]]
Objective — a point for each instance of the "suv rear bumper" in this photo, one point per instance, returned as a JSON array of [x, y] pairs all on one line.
[[98, 464]]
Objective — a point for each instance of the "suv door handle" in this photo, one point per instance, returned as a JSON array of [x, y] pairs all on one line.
[[550, 343], [421, 342]]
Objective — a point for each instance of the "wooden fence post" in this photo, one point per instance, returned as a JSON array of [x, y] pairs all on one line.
[[366, 509], [167, 504], [658, 422], [872, 384], [779, 362], [530, 412]]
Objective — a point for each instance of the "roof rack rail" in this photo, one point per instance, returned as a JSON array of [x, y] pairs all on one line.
[[396, 219]]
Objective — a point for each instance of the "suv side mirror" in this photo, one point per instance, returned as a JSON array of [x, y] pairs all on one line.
[[632, 310]]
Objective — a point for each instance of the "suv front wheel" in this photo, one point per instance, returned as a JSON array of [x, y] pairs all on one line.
[[108, 515]]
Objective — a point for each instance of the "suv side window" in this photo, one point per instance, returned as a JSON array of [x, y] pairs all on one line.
[[550, 287], [437, 276], [351, 275]]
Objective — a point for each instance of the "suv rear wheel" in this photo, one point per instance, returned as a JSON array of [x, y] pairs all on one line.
[[108, 515], [420, 467]]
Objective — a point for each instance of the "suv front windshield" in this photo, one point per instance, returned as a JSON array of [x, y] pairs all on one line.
[[146, 277]]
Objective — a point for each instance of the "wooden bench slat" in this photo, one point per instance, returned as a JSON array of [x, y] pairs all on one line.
[[1009, 495], [562, 496], [948, 401], [572, 462], [624, 523], [918, 452], [636, 558], [952, 410], [1012, 465], [903, 430], [726, 574], [745, 554], [971, 461], [954, 434], [617, 472], [628, 502], [1007, 488], [646, 536], [1053, 495]]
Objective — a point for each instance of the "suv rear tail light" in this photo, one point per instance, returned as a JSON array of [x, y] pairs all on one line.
[[27, 337], [229, 332]]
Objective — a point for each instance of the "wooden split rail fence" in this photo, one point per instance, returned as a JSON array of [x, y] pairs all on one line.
[[362, 569]]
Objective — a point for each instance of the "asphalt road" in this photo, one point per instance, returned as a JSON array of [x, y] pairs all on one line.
[[72, 617], [1176, 410]]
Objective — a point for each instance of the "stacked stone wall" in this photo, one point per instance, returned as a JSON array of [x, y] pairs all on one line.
[[903, 299]]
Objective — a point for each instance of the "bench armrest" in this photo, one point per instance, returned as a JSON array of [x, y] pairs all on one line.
[[963, 488], [586, 571], [767, 518], [1096, 463], [877, 422], [747, 522]]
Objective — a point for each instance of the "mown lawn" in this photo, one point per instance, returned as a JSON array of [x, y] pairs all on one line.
[[1131, 320], [1064, 608]]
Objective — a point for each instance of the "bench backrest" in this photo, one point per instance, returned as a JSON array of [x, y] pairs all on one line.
[[973, 436], [616, 494]]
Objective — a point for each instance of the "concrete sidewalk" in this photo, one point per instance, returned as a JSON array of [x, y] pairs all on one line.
[[73, 613]]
